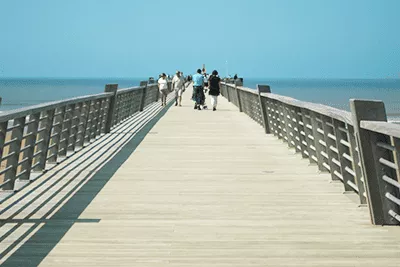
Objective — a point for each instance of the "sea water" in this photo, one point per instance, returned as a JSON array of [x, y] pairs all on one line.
[[20, 92]]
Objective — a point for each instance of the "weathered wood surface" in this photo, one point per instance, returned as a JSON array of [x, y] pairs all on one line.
[[203, 188]]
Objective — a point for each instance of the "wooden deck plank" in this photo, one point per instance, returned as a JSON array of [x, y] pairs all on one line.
[[203, 188]]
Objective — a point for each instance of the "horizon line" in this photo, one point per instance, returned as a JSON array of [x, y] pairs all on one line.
[[146, 78]]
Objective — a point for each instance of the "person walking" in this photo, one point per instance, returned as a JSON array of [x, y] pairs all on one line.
[[205, 77], [178, 85], [163, 87], [214, 87], [198, 91]]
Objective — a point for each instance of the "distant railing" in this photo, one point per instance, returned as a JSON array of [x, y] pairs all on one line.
[[32, 138], [329, 138]]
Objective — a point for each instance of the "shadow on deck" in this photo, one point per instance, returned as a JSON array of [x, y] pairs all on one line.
[[30, 230]]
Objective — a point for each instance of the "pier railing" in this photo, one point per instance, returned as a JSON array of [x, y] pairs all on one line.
[[33, 138], [355, 149]]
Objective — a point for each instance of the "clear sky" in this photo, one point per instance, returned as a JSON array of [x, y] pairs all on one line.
[[258, 38]]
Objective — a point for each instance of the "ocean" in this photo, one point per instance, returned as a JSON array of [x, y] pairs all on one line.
[[20, 92]]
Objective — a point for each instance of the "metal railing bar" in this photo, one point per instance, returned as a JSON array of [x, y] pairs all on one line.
[[348, 157], [338, 175], [388, 163], [391, 181], [3, 171], [353, 185], [392, 198], [334, 149], [386, 146], [350, 171], [394, 215]]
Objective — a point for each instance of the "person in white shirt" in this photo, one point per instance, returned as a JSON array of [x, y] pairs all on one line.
[[178, 84], [163, 87]]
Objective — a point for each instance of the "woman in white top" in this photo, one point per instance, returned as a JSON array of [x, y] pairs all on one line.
[[163, 87], [178, 84]]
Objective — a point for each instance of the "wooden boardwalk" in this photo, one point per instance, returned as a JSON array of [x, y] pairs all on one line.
[[200, 188]]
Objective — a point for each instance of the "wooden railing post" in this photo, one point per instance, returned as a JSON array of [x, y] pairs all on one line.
[[288, 125], [46, 124], [341, 139], [307, 134], [264, 89], [29, 148], [238, 99], [300, 132], [66, 131], [370, 156], [357, 166], [144, 93], [55, 136], [74, 132], [317, 145], [13, 152], [111, 88], [227, 93]]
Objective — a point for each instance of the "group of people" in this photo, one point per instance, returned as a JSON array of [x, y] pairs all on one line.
[[202, 82]]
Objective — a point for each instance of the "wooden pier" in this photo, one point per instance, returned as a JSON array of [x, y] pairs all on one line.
[[176, 186]]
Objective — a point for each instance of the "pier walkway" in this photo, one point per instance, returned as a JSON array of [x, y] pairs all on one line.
[[190, 188]]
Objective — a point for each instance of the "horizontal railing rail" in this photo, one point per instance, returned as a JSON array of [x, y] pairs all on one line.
[[33, 138], [330, 138]]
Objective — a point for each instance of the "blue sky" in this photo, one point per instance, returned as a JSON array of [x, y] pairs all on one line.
[[258, 38]]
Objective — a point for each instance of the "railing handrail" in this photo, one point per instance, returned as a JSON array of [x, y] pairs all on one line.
[[34, 136], [339, 114], [129, 89], [359, 148], [21, 112], [383, 127]]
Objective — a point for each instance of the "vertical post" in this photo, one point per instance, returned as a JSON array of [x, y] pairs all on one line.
[[396, 155], [3, 133], [55, 136], [227, 92], [294, 126], [45, 125], [318, 146], [13, 152], [104, 111], [96, 118], [83, 118], [264, 89], [307, 133], [28, 150], [144, 94], [277, 112], [74, 131], [301, 133], [238, 99], [341, 142], [356, 164], [288, 126], [66, 130], [99, 117], [111, 88], [370, 155], [157, 93], [331, 147]]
